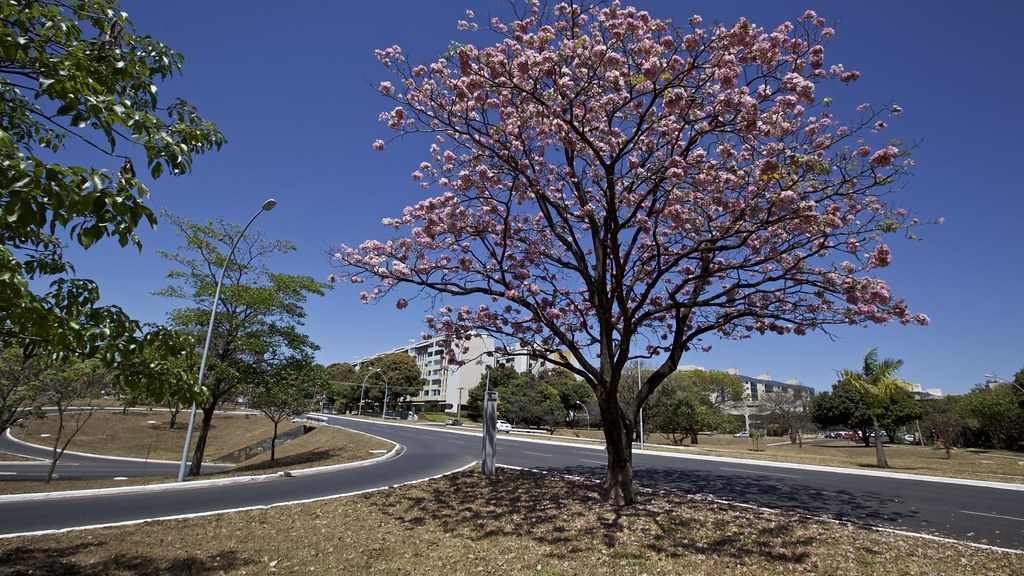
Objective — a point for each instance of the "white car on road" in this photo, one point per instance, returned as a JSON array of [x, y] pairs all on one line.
[[504, 426]]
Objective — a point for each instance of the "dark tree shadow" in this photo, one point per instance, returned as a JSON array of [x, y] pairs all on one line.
[[765, 491], [74, 560]]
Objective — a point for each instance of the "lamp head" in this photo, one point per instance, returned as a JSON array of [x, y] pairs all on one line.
[[269, 205]]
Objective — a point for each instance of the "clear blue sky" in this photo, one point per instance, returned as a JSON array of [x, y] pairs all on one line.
[[290, 84]]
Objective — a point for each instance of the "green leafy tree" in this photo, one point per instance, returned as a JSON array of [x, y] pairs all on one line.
[[945, 420], [996, 415], [161, 369], [259, 314], [78, 84], [571, 391], [402, 375], [687, 403], [846, 406], [530, 401], [500, 377], [1018, 387], [879, 382], [343, 386], [281, 388], [19, 387]]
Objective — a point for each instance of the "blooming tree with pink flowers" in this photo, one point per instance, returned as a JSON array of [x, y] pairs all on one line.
[[604, 186]]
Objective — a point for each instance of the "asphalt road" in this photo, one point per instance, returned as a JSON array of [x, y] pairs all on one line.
[[984, 513]]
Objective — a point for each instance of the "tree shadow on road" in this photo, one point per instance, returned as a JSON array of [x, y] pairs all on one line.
[[768, 491]]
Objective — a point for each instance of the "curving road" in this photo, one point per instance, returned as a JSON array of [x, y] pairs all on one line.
[[986, 513]]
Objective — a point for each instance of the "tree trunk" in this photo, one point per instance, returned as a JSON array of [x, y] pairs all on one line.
[[618, 435], [204, 431], [273, 441], [879, 450], [693, 438]]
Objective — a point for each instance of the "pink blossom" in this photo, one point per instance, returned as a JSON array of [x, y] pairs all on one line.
[[378, 145], [401, 303], [884, 157]]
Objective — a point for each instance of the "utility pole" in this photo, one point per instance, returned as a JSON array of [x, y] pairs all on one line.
[[458, 408]]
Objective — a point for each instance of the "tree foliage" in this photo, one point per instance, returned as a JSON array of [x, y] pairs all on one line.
[[945, 420], [878, 383], [399, 376], [343, 386], [259, 313], [997, 419], [19, 387], [78, 83], [283, 387], [71, 389], [790, 412], [526, 399], [621, 187], [690, 402], [846, 406]]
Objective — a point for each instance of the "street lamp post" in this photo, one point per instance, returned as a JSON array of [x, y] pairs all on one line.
[[384, 408], [992, 378], [362, 390], [584, 406], [267, 207]]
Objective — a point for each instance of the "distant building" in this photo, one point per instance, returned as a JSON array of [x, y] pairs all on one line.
[[920, 393], [448, 383]]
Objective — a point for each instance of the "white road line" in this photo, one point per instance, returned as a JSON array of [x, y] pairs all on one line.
[[759, 473], [593, 461], [538, 454], [991, 515]]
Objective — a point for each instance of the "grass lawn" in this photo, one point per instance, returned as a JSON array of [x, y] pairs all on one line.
[[517, 522]]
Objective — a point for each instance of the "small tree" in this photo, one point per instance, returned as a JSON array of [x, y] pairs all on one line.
[[71, 388], [946, 419], [878, 381], [691, 401], [756, 436], [790, 411], [283, 388], [259, 313], [618, 187]]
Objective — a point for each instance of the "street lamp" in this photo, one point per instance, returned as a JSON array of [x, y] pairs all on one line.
[[267, 207], [384, 408], [584, 406], [992, 378], [362, 390]]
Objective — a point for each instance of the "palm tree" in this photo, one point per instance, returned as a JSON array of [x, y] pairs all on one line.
[[878, 381]]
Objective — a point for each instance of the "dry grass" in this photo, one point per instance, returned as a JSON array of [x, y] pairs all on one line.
[[994, 465], [514, 523]]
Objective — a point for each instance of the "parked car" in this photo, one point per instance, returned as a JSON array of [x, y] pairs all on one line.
[[909, 438], [504, 426], [741, 434], [452, 422]]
